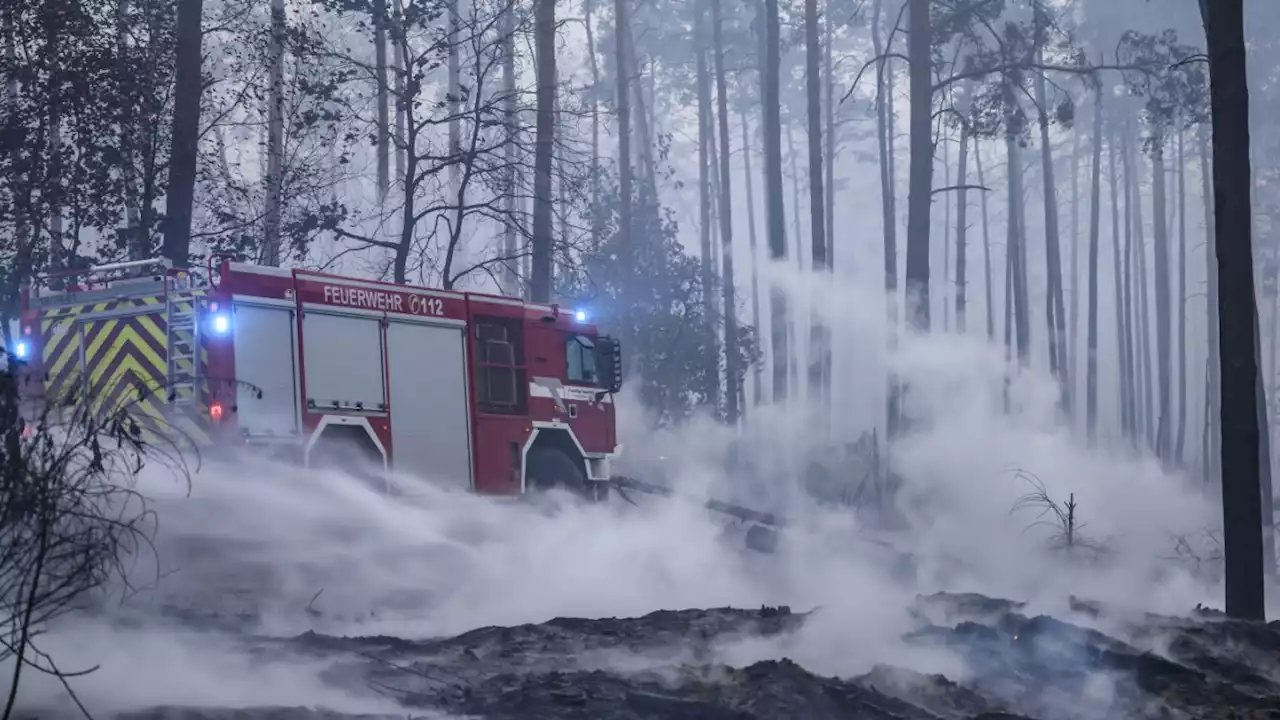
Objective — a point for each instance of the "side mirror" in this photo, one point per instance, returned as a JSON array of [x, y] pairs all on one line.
[[609, 363]]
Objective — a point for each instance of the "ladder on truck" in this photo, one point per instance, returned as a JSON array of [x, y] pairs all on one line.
[[182, 338]]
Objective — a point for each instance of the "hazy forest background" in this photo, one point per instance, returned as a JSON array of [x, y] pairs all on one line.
[[647, 159]]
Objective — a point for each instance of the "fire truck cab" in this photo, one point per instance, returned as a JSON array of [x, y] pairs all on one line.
[[487, 393]]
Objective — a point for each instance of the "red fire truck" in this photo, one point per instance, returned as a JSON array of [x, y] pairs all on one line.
[[489, 393]]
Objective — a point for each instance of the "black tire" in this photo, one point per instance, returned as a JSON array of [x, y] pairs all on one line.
[[548, 468]]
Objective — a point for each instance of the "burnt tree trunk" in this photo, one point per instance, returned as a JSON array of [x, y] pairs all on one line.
[[1144, 309], [711, 360], [185, 133], [511, 120], [819, 343], [1164, 360], [544, 20], [1238, 341], [1073, 312], [829, 186], [1117, 276], [270, 252], [920, 182], [733, 370], [597, 229], [382, 90], [757, 369], [796, 206], [1213, 461], [1016, 241], [1130, 364], [888, 206], [1237, 310], [454, 94], [986, 242], [1134, 307], [1055, 309], [399, 69], [776, 209], [946, 295], [138, 246], [622, 97], [962, 219], [1180, 439], [1091, 322]]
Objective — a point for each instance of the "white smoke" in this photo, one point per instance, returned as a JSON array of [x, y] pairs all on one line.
[[274, 550]]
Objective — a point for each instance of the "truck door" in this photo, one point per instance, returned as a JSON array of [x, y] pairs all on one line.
[[266, 359], [430, 424]]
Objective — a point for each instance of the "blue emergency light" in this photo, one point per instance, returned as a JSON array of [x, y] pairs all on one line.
[[221, 324], [21, 350], [580, 316]]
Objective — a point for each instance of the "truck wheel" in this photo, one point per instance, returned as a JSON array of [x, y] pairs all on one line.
[[549, 468]]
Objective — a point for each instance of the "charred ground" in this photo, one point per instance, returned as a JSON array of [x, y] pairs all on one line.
[[669, 664]]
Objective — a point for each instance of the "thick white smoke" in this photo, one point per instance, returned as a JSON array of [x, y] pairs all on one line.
[[274, 550]]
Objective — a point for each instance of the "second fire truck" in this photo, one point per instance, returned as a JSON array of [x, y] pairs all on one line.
[[487, 393]]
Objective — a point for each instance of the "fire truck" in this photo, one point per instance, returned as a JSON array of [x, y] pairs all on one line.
[[487, 393]]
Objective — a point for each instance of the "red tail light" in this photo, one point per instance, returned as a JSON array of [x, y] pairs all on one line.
[[215, 412]]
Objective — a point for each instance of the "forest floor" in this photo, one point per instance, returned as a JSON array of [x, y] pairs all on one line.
[[668, 665]]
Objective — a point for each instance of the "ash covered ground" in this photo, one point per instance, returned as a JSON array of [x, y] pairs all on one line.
[[443, 605], [675, 664]]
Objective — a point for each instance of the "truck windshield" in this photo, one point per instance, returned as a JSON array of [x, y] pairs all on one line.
[[580, 357]]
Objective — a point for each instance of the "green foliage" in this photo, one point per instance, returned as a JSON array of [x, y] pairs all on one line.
[[74, 99], [654, 303], [85, 122], [964, 20], [1176, 89], [988, 54]]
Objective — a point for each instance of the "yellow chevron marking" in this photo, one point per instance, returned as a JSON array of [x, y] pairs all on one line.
[[180, 419], [148, 322], [103, 329], [132, 334], [118, 374], [144, 414], [104, 383], [68, 352], [57, 342], [153, 417], [103, 359], [154, 384]]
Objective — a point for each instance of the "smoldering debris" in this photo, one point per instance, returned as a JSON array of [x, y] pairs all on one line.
[[261, 713], [671, 664]]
